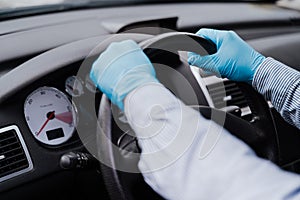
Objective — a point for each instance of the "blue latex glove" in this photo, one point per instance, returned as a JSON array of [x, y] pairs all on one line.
[[121, 68], [234, 59]]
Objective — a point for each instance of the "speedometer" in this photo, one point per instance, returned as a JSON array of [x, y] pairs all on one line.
[[50, 116]]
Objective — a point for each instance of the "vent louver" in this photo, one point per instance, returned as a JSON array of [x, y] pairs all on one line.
[[226, 93], [14, 157]]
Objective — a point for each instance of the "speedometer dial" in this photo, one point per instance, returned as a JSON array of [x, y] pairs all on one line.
[[50, 115]]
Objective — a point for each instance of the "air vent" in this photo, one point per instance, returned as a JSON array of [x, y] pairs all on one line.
[[226, 93], [14, 156]]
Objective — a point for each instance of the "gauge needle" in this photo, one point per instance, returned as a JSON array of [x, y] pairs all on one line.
[[49, 117], [65, 117], [69, 86]]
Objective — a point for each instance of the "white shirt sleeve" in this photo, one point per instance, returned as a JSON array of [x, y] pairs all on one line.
[[185, 156]]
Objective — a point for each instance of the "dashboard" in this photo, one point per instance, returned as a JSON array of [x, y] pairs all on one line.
[[40, 87]]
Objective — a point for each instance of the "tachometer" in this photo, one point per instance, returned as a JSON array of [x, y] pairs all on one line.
[[50, 115]]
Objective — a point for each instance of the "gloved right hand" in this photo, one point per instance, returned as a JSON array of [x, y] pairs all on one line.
[[120, 69], [234, 59]]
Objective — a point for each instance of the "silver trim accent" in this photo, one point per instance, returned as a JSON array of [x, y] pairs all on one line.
[[202, 84], [209, 80], [30, 164], [246, 111], [270, 104]]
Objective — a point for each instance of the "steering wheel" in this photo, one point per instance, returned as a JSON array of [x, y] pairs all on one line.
[[118, 148]]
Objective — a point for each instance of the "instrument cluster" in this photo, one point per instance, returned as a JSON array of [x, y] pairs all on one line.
[[51, 114]]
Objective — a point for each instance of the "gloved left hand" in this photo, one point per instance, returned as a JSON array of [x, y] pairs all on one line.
[[120, 69]]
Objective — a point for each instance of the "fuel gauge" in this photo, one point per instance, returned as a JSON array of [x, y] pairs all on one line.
[[74, 86]]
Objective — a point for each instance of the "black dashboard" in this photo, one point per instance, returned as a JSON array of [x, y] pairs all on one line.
[[48, 50]]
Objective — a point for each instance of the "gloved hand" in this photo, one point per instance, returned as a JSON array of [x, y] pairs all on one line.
[[121, 68], [234, 59]]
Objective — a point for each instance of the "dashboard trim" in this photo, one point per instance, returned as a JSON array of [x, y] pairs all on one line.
[[53, 60]]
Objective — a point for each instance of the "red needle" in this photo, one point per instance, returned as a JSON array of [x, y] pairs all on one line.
[[46, 122]]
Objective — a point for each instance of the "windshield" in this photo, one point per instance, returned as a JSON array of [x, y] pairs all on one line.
[[28, 3], [15, 8]]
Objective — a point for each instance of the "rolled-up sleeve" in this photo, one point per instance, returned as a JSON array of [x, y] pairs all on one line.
[[280, 84]]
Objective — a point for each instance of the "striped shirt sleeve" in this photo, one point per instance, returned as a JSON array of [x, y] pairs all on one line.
[[280, 84]]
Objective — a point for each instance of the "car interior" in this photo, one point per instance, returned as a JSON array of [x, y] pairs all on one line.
[[58, 132]]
